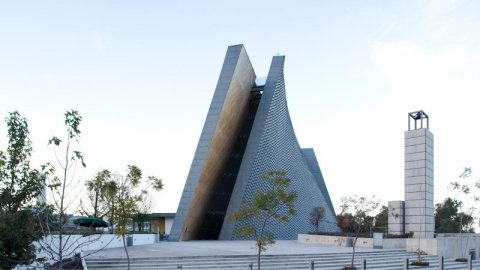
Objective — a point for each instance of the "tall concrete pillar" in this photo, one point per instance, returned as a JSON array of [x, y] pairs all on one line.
[[419, 206]]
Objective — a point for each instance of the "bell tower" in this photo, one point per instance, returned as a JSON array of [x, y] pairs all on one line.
[[419, 206]]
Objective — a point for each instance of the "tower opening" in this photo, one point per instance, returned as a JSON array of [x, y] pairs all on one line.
[[217, 206]]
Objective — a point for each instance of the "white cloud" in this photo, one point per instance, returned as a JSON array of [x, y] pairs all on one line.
[[418, 75]]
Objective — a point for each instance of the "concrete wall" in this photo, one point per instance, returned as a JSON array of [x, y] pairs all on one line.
[[394, 243], [312, 162], [447, 245], [396, 218], [224, 119], [455, 246], [419, 206], [88, 244], [330, 240], [427, 245], [168, 225]]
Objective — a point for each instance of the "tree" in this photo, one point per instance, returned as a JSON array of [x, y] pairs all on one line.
[[19, 185], [18, 182], [63, 185], [142, 211], [97, 188], [345, 222], [109, 200], [316, 216], [100, 201], [381, 219], [128, 197], [448, 219], [276, 204], [360, 208], [101, 192], [464, 187]]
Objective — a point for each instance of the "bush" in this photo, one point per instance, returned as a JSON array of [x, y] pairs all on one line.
[[419, 263], [74, 262]]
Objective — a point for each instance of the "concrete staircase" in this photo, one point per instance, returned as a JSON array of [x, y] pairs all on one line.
[[382, 259]]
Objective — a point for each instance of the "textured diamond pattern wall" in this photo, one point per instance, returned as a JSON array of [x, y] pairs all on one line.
[[278, 148]]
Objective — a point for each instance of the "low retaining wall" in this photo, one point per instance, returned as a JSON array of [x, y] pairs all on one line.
[[78, 243], [84, 245], [394, 243], [330, 240], [447, 245], [456, 246], [428, 245]]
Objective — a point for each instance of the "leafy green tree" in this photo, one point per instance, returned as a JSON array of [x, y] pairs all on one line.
[[98, 190], [18, 182], [19, 185], [101, 191], [110, 200], [316, 216], [448, 218], [17, 232], [128, 197], [102, 194], [345, 222], [381, 219], [277, 204], [360, 208]]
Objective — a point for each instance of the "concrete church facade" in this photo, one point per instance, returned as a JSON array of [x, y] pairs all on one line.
[[247, 133]]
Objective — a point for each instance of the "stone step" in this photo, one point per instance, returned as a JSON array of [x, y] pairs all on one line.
[[249, 257], [370, 253], [387, 260], [387, 266]]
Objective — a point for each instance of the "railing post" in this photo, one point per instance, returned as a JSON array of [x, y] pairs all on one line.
[[312, 265], [405, 264], [441, 263], [469, 262], [364, 264]]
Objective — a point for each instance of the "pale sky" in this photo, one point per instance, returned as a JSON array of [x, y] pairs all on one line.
[[142, 75]]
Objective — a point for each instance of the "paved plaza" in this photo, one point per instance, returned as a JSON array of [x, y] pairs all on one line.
[[220, 248]]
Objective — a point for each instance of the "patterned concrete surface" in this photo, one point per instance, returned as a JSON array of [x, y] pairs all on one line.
[[220, 248]]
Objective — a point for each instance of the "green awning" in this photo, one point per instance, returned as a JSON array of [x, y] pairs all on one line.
[[91, 222]]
